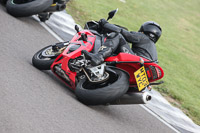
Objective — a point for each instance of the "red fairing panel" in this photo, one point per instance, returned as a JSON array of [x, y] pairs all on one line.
[[65, 56], [154, 71]]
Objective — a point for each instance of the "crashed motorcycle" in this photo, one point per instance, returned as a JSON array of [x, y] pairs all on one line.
[[121, 79]]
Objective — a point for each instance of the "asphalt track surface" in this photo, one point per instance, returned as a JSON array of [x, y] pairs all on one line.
[[34, 101]]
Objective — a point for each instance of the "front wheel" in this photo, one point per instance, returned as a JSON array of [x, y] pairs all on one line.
[[106, 92], [44, 58]]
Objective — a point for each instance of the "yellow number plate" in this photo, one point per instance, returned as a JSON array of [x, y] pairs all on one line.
[[141, 78]]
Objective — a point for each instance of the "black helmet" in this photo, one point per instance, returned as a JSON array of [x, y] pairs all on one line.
[[152, 30]]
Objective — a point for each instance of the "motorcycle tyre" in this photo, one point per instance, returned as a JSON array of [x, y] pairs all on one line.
[[104, 95], [27, 9], [42, 63], [3, 1]]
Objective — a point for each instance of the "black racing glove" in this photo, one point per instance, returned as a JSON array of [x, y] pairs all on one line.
[[102, 22]]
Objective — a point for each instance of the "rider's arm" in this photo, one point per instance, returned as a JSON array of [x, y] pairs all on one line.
[[109, 27], [131, 37]]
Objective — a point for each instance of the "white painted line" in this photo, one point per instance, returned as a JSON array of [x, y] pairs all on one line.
[[51, 32], [159, 118], [48, 29]]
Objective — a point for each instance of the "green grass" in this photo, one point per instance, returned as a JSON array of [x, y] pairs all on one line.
[[178, 48]]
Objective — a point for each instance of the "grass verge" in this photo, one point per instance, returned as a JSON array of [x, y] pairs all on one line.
[[178, 49]]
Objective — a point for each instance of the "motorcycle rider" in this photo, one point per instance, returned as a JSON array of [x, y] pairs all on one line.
[[143, 42]]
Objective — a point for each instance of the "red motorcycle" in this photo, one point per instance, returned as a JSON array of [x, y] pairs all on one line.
[[121, 79]]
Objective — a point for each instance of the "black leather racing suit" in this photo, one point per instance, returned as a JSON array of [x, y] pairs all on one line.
[[141, 44], [116, 42]]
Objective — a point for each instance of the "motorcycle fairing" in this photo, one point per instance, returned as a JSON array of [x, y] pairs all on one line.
[[154, 71], [72, 52]]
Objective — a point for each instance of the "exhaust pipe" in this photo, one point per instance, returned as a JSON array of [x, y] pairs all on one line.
[[133, 98]]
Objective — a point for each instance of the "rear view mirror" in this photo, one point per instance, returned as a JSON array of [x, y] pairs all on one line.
[[111, 14]]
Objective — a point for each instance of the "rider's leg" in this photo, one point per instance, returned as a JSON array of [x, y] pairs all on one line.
[[106, 50], [115, 42], [123, 46]]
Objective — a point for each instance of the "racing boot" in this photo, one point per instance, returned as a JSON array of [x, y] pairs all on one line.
[[98, 58]]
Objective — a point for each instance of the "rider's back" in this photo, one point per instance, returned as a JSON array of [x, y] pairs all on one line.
[[141, 44]]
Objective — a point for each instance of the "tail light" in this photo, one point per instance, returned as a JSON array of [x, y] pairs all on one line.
[[153, 72]]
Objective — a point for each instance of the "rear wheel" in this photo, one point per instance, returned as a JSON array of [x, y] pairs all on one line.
[[44, 58], [106, 92]]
